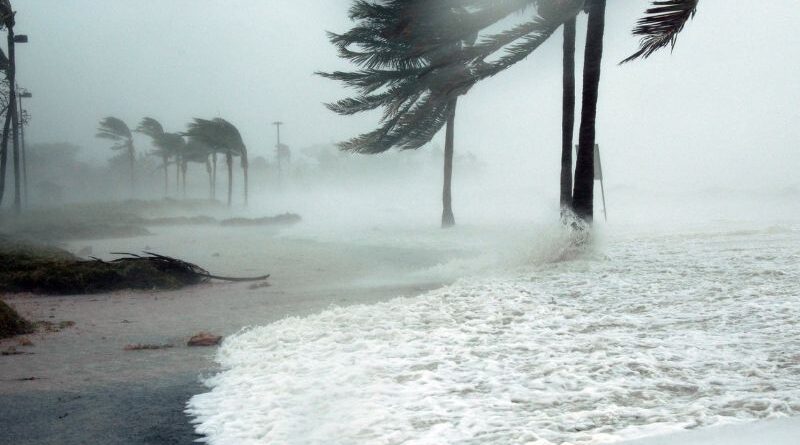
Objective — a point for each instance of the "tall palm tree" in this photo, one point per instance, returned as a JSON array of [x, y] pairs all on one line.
[[224, 138], [116, 130], [404, 72]]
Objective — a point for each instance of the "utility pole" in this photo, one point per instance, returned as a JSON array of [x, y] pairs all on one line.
[[23, 94], [12, 95]]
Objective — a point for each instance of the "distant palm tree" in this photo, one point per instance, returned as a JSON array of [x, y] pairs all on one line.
[[116, 130], [224, 138], [168, 145]]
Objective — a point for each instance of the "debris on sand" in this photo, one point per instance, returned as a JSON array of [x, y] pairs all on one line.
[[11, 323], [146, 347], [49, 326], [204, 339], [25, 341]]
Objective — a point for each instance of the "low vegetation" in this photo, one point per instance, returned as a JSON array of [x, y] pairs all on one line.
[[27, 267], [11, 323]]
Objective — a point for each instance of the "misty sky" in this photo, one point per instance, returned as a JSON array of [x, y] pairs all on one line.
[[721, 111]]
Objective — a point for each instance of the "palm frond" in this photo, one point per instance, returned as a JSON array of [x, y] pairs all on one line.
[[661, 25], [114, 129], [150, 127], [217, 134]]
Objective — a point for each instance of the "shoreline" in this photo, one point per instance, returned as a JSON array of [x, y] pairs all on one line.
[[78, 385]]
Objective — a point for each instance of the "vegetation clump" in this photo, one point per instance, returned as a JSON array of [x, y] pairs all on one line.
[[11, 323], [26, 267]]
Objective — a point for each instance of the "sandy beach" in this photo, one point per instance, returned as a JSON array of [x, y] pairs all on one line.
[[79, 385]]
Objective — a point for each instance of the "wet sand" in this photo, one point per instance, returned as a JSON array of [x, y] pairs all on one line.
[[79, 385]]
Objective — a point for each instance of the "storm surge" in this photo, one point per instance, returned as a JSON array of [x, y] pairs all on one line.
[[653, 332]]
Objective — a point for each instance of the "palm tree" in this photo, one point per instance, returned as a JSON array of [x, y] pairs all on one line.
[[168, 145], [407, 75], [222, 137], [116, 130]]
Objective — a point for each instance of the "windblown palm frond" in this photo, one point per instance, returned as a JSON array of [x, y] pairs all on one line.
[[661, 25], [218, 134], [166, 144], [114, 129], [150, 127], [6, 14], [416, 56]]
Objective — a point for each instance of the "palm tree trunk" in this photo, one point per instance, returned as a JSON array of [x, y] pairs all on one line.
[[210, 179], [177, 175], [448, 219], [184, 167], [4, 155], [229, 162], [244, 169], [132, 161], [568, 115], [214, 177], [583, 194], [166, 177]]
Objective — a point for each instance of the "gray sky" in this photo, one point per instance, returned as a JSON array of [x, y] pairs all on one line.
[[722, 110]]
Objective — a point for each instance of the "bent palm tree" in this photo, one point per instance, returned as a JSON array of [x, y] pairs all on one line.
[[222, 137], [404, 74], [168, 145], [116, 130]]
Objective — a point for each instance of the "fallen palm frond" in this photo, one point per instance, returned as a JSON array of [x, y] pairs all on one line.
[[178, 267]]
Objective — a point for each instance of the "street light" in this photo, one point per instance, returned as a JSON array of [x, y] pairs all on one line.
[[21, 38]]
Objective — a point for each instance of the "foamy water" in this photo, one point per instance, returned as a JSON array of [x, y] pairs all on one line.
[[650, 333]]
